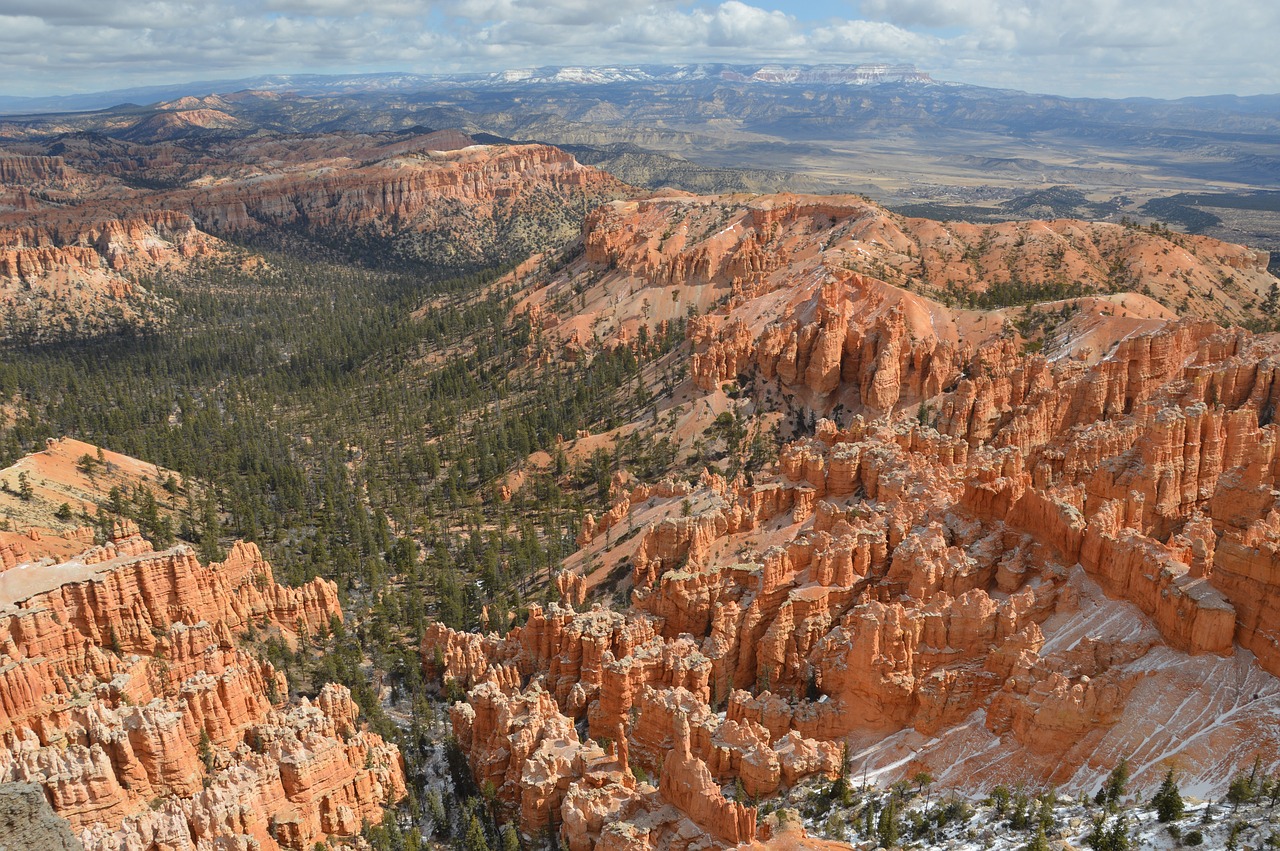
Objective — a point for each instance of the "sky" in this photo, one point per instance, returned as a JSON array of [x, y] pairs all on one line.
[[1093, 48]]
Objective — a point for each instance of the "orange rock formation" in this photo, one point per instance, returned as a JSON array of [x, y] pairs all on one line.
[[1042, 560], [124, 694], [76, 231]]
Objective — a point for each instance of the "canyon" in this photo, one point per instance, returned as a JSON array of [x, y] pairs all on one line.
[[87, 224], [993, 503], [993, 549]]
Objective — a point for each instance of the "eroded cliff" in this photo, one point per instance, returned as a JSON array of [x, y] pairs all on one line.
[[82, 229], [127, 695], [988, 560]]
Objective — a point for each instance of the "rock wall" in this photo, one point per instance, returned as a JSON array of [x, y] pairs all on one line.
[[125, 695], [83, 227], [993, 564]]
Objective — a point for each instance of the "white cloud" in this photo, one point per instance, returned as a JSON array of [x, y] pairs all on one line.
[[1106, 47], [735, 24], [930, 14], [875, 39]]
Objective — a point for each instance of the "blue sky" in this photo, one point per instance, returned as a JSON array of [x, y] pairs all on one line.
[[1111, 48]]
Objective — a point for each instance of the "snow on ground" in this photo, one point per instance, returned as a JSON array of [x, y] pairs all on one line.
[[1203, 716], [977, 826]]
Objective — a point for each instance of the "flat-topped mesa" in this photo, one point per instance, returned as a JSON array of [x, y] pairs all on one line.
[[121, 687], [408, 188]]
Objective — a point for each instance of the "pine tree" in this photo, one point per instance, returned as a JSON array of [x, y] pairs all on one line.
[[1119, 835], [1000, 799], [887, 828], [1111, 792], [1097, 838], [1039, 842], [1239, 792], [205, 750], [210, 529], [1242, 789], [1168, 800], [439, 820], [1233, 837], [1048, 800], [1113, 838], [475, 839]]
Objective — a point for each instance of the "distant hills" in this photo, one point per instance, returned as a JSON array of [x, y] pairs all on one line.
[[890, 132], [320, 84]]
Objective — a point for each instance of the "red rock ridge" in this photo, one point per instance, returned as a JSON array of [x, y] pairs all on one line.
[[824, 294], [1041, 560], [408, 188], [77, 237], [119, 664], [59, 277]]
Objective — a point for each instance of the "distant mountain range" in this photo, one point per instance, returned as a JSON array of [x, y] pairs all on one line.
[[891, 132], [321, 84]]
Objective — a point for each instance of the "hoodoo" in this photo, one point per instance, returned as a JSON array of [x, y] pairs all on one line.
[[987, 562], [127, 696]]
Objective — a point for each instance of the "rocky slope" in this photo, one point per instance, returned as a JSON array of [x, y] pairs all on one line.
[[458, 208], [85, 220], [28, 824], [1003, 545], [126, 694]]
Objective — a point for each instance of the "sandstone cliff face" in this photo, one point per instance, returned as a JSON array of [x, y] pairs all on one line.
[[125, 695], [822, 296], [996, 565], [77, 232], [66, 279], [413, 188]]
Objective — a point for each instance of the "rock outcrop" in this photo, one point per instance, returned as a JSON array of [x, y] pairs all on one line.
[[996, 564], [124, 693], [834, 298], [80, 230], [28, 824]]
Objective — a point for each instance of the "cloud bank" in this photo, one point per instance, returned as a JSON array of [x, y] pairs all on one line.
[[1110, 48]]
